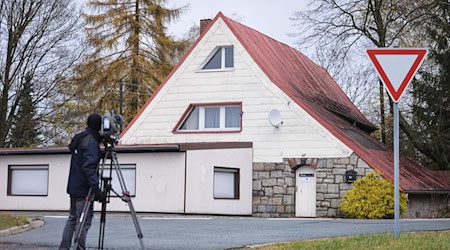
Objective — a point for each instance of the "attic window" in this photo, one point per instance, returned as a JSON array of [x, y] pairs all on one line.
[[220, 59], [212, 117]]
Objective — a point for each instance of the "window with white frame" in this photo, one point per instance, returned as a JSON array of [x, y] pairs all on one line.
[[226, 183], [212, 118], [28, 180], [222, 58], [129, 176]]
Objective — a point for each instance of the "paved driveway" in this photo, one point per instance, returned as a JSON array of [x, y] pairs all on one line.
[[205, 232]]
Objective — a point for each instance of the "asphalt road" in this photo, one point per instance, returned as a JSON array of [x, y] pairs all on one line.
[[209, 232]]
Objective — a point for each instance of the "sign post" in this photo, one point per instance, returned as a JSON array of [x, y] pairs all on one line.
[[396, 68]]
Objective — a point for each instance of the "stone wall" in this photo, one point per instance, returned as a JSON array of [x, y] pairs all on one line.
[[274, 185], [331, 185], [273, 190], [428, 206]]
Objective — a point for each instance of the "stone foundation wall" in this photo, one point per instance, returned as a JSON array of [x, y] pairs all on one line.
[[274, 185], [428, 206], [331, 185], [273, 190]]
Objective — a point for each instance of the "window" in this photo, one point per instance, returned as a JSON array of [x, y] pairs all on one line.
[[221, 59], [129, 177], [212, 117], [226, 183], [29, 180]]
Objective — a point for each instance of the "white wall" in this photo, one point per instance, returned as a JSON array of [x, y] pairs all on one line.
[[299, 136], [58, 169], [199, 186], [159, 185]]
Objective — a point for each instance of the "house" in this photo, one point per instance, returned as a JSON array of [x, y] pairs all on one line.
[[243, 125]]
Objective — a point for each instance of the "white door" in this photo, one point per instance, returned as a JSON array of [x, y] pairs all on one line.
[[305, 197]]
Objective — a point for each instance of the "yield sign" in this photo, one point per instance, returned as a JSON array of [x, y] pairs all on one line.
[[396, 67]]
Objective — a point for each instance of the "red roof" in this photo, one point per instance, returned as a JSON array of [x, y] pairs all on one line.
[[313, 89]]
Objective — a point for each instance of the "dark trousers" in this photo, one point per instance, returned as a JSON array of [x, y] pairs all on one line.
[[76, 208]]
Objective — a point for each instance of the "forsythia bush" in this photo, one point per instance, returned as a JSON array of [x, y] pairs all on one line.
[[371, 198]]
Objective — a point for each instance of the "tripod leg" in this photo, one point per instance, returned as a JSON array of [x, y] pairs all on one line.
[[136, 223], [126, 197], [82, 219], [106, 188], [101, 238]]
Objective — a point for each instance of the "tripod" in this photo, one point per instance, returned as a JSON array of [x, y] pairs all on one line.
[[106, 188]]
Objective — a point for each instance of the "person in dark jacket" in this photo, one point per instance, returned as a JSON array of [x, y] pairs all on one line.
[[83, 176]]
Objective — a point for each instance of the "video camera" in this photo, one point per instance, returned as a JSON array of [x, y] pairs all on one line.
[[111, 127]]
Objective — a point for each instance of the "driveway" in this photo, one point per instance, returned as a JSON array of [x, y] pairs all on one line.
[[209, 232]]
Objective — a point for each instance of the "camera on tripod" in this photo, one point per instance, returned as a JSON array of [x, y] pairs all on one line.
[[111, 127]]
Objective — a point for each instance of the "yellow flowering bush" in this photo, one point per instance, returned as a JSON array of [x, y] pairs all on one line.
[[371, 197]]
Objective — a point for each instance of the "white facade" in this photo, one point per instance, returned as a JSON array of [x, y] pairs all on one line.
[[160, 182], [299, 135], [199, 186]]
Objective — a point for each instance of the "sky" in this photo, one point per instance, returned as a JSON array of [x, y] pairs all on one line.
[[270, 17]]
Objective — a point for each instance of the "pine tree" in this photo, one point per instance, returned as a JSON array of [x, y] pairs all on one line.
[[131, 50], [25, 132], [431, 109]]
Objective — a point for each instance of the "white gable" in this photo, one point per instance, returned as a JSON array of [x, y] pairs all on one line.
[[299, 135]]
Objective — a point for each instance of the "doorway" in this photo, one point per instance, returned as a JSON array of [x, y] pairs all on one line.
[[305, 196]]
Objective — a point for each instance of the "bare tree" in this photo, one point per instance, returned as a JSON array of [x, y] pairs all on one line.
[[345, 28], [37, 44]]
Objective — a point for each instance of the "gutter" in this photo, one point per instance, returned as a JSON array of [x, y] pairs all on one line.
[[65, 150], [428, 192]]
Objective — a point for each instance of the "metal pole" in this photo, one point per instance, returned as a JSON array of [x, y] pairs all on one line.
[[396, 174]]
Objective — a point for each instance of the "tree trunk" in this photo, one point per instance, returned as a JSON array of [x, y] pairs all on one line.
[[135, 81]]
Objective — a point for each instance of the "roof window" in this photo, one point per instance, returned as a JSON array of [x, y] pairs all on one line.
[[220, 59]]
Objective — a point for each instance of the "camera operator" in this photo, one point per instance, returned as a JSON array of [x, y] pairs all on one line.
[[83, 176]]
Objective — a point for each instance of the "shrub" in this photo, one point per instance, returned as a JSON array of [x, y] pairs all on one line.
[[371, 197]]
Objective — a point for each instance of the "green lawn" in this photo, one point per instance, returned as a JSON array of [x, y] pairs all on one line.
[[8, 220], [408, 241]]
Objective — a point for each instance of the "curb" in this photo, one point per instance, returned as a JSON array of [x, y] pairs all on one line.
[[32, 224]]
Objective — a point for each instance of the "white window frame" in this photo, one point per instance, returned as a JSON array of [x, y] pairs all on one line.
[[115, 183], [202, 121], [222, 63], [235, 184], [28, 191]]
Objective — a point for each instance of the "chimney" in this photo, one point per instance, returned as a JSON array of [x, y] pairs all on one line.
[[203, 24]]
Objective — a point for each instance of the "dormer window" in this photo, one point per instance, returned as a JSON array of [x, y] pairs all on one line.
[[220, 59], [214, 117]]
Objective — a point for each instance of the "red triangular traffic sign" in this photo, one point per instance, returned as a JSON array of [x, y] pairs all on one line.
[[396, 67]]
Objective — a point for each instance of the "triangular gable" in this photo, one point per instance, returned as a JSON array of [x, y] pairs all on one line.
[[316, 92], [136, 117]]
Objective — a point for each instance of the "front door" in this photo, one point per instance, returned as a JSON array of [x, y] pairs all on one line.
[[305, 197]]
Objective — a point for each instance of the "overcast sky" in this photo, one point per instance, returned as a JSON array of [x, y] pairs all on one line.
[[270, 17]]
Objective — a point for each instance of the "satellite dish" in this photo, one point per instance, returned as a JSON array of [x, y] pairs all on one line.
[[275, 118]]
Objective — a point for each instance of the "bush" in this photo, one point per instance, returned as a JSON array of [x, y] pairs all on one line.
[[371, 197]]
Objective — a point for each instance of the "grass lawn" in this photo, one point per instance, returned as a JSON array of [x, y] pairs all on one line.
[[8, 220], [409, 241]]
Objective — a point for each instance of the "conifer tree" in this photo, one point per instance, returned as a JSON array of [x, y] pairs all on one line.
[[431, 108], [131, 49], [25, 131]]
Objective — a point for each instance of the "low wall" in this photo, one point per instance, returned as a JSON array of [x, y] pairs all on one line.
[[274, 185], [428, 205]]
